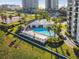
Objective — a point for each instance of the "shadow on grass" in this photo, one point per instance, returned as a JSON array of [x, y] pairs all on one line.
[[62, 50], [56, 44], [56, 57], [76, 51], [8, 33]]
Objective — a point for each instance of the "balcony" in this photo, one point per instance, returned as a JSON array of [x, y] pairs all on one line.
[[70, 9], [70, 13]]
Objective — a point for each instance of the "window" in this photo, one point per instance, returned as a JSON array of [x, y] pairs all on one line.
[[70, 13], [70, 9], [75, 21], [76, 10], [76, 15], [76, 3], [70, 18]]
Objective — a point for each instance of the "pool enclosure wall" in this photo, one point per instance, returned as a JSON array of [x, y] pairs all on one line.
[[40, 23]]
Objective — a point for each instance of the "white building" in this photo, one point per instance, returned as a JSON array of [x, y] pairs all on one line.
[[30, 4], [40, 23], [51, 4], [73, 17]]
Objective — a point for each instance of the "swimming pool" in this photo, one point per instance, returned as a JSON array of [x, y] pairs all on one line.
[[43, 31]]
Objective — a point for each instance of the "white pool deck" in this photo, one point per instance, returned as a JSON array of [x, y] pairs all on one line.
[[38, 36]]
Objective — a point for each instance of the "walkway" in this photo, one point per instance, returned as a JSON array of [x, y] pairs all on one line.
[[69, 42]]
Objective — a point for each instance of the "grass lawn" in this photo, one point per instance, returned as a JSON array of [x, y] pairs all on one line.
[[27, 51]]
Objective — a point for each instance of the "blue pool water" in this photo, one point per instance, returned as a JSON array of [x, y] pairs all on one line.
[[43, 31]]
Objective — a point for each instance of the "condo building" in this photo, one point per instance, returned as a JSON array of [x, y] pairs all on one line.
[[51, 4], [73, 19], [30, 4]]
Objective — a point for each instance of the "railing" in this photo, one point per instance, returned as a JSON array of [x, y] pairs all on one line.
[[34, 37]]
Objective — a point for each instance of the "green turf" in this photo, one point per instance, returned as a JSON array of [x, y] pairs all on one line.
[[27, 51]]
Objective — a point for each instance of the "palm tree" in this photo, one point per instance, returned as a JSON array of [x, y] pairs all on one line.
[[57, 25], [36, 16], [54, 29], [5, 18], [19, 15], [48, 18], [2, 17], [10, 16], [49, 28], [50, 39]]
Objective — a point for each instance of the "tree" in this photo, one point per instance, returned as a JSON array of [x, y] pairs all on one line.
[[49, 28], [19, 15], [10, 16], [36, 16], [2, 17], [57, 25], [5, 18]]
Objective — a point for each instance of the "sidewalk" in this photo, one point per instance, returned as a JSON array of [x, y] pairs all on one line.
[[69, 42]]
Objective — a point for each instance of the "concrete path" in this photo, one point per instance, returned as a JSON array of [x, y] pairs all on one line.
[[69, 42]]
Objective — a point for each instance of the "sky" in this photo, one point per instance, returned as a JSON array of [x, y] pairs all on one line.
[[42, 2], [62, 3]]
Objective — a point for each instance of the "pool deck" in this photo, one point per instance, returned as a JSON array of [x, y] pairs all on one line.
[[37, 36]]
